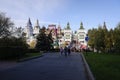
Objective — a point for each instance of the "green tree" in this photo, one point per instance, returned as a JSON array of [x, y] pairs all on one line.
[[19, 31], [105, 40], [109, 40], [92, 34], [44, 41], [41, 39], [106, 36], [49, 41], [117, 38], [5, 25], [99, 40]]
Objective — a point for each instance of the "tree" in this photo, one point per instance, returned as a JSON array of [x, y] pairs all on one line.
[[41, 39], [117, 38], [5, 25], [111, 40], [49, 41], [32, 44], [17, 32], [44, 42], [106, 36], [99, 39], [92, 34]]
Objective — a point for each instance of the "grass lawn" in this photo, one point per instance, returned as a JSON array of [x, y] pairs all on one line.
[[26, 56], [104, 66], [32, 55]]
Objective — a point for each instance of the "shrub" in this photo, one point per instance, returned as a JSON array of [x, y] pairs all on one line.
[[11, 52], [12, 48], [33, 51]]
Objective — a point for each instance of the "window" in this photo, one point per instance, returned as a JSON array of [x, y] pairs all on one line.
[[67, 36], [81, 41], [81, 36]]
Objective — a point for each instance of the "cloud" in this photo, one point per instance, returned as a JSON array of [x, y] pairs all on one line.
[[23, 23], [21, 10]]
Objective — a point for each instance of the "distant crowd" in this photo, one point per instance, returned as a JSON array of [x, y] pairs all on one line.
[[65, 51]]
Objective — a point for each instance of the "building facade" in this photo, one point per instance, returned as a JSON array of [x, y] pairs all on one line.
[[61, 37]]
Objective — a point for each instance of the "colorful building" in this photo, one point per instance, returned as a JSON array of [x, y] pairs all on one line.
[[61, 37]]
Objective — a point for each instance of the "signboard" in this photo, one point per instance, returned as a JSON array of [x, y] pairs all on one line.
[[86, 38]]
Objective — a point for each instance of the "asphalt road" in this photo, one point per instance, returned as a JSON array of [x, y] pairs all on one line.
[[52, 66]]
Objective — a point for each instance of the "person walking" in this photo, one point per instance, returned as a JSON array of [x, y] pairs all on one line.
[[69, 51], [61, 50], [65, 51]]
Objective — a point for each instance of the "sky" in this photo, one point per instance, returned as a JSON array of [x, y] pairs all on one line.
[[91, 12]]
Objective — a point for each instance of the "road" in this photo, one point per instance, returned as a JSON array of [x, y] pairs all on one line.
[[52, 66]]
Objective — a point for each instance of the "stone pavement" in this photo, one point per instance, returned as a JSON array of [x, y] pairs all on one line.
[[52, 66]]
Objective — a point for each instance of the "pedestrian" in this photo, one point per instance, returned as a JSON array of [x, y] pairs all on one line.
[[65, 51], [61, 50], [69, 51]]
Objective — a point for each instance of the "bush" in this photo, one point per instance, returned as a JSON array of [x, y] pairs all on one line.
[[55, 50], [12, 48], [33, 51], [11, 52]]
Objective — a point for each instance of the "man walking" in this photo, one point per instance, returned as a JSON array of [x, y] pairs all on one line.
[[69, 51], [65, 51]]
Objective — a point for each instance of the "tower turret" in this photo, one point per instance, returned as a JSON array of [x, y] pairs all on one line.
[[68, 26], [104, 26], [36, 28], [29, 29], [81, 26]]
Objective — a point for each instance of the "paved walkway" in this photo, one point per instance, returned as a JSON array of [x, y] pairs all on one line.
[[49, 67], [7, 64]]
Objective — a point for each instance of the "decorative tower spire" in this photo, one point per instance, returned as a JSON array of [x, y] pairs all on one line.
[[104, 26], [37, 24], [36, 28], [68, 26], [29, 24], [81, 26], [29, 28]]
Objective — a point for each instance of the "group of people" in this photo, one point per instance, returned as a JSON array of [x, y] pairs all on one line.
[[66, 50]]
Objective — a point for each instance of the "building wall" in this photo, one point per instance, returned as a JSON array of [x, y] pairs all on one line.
[[81, 36], [63, 36], [68, 35]]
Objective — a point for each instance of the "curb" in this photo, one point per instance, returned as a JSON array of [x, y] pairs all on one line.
[[87, 68], [30, 58]]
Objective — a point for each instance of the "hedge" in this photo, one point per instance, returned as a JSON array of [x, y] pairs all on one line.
[[11, 52]]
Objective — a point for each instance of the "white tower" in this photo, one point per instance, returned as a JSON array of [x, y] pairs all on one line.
[[29, 29], [36, 28], [81, 34], [67, 34]]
